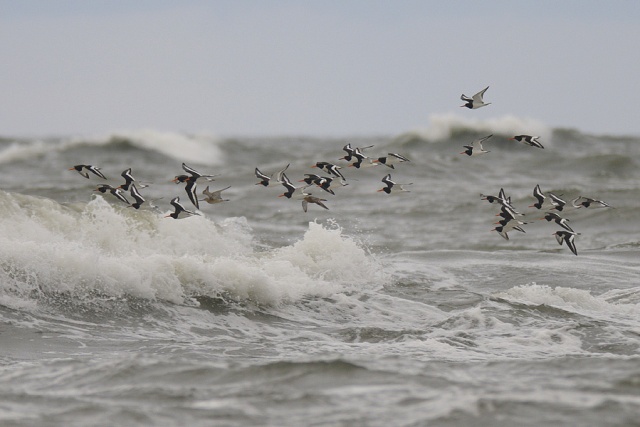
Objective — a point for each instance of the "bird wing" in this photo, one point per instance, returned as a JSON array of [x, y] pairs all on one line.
[[387, 180], [478, 96], [479, 141], [287, 184], [190, 188], [136, 194], [399, 157], [116, 192], [96, 171], [319, 202], [557, 199], [537, 193], [335, 170], [569, 239], [190, 170], [279, 175], [214, 194], [261, 176], [175, 202]]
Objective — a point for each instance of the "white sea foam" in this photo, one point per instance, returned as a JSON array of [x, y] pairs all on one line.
[[113, 250], [198, 148], [443, 126]]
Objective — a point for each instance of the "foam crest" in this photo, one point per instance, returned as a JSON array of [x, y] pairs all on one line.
[[443, 126], [104, 249]]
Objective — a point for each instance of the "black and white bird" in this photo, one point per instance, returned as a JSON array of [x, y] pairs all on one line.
[[542, 201], [128, 179], [587, 202], [510, 224], [137, 197], [392, 187], [568, 237], [195, 175], [350, 151], [391, 159], [85, 169], [213, 197], [361, 161], [113, 190], [503, 200], [528, 139], [293, 192], [328, 184], [476, 149], [311, 178], [265, 179], [191, 181], [179, 211], [562, 222], [558, 203], [312, 199], [500, 198], [475, 101], [503, 230], [329, 168], [508, 213]]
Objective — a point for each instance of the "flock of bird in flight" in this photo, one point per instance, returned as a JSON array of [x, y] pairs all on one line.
[[335, 179], [551, 204]]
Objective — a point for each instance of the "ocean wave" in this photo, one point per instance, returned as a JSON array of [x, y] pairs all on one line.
[[96, 248], [445, 126], [572, 300], [188, 148]]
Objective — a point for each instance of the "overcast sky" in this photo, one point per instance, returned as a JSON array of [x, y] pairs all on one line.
[[318, 67]]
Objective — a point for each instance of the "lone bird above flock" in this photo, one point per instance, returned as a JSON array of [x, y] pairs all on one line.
[[475, 101]]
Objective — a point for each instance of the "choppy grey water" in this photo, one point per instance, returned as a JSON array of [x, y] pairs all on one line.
[[402, 310]]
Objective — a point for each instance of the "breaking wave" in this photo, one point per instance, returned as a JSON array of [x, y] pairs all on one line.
[[96, 248]]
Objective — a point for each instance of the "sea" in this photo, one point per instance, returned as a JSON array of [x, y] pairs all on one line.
[[401, 309]]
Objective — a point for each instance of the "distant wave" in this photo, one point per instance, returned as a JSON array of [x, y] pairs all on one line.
[[187, 148], [443, 127]]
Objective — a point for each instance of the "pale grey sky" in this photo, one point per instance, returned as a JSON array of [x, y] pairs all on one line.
[[320, 67]]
